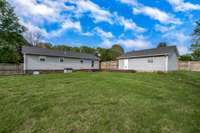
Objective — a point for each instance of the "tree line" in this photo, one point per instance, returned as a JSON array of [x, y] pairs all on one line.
[[106, 54], [12, 41]]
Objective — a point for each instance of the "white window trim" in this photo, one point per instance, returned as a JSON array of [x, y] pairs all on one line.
[[150, 60], [42, 57], [61, 58]]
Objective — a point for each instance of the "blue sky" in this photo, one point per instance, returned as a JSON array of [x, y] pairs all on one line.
[[134, 24]]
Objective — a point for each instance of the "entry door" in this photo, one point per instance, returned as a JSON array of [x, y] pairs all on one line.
[[125, 63]]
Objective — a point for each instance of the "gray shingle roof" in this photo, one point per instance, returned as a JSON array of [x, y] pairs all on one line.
[[151, 52], [57, 53]]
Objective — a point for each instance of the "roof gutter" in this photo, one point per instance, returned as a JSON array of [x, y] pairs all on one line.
[[73, 57], [141, 56]]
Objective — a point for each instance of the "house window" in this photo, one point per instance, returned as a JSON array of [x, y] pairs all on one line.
[[81, 61], [92, 63], [61, 59], [42, 58], [150, 60]]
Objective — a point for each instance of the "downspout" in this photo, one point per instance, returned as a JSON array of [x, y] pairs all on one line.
[[24, 63], [166, 64], [99, 64]]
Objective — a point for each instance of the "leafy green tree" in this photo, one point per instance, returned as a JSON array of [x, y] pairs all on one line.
[[75, 49], [63, 47], [86, 49], [118, 48], [11, 39], [44, 45], [9, 55], [186, 57], [106, 54], [195, 47], [196, 53], [116, 51]]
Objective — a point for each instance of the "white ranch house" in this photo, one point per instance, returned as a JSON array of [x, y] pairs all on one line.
[[157, 59], [42, 59]]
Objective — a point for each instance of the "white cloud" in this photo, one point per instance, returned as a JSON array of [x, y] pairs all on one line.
[[152, 12], [99, 14], [103, 34], [178, 38], [129, 24], [34, 33], [156, 14], [129, 2], [107, 43], [138, 43], [68, 24], [33, 10], [87, 33], [106, 37], [35, 29], [183, 49], [34, 15], [181, 5], [164, 29]]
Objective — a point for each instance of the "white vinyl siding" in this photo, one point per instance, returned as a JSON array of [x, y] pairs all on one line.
[[126, 64], [121, 64], [172, 62], [53, 63], [146, 63]]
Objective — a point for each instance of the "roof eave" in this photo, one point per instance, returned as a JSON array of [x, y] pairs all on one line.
[[60, 56], [141, 56]]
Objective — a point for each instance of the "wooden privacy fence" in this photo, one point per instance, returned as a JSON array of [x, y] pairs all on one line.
[[189, 65], [109, 65], [182, 65], [9, 69]]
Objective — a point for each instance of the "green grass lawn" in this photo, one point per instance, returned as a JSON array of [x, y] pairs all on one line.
[[101, 102]]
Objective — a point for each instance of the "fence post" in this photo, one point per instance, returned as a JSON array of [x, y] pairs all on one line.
[[189, 66]]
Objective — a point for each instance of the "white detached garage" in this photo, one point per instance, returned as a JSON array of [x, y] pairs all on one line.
[[156, 59]]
